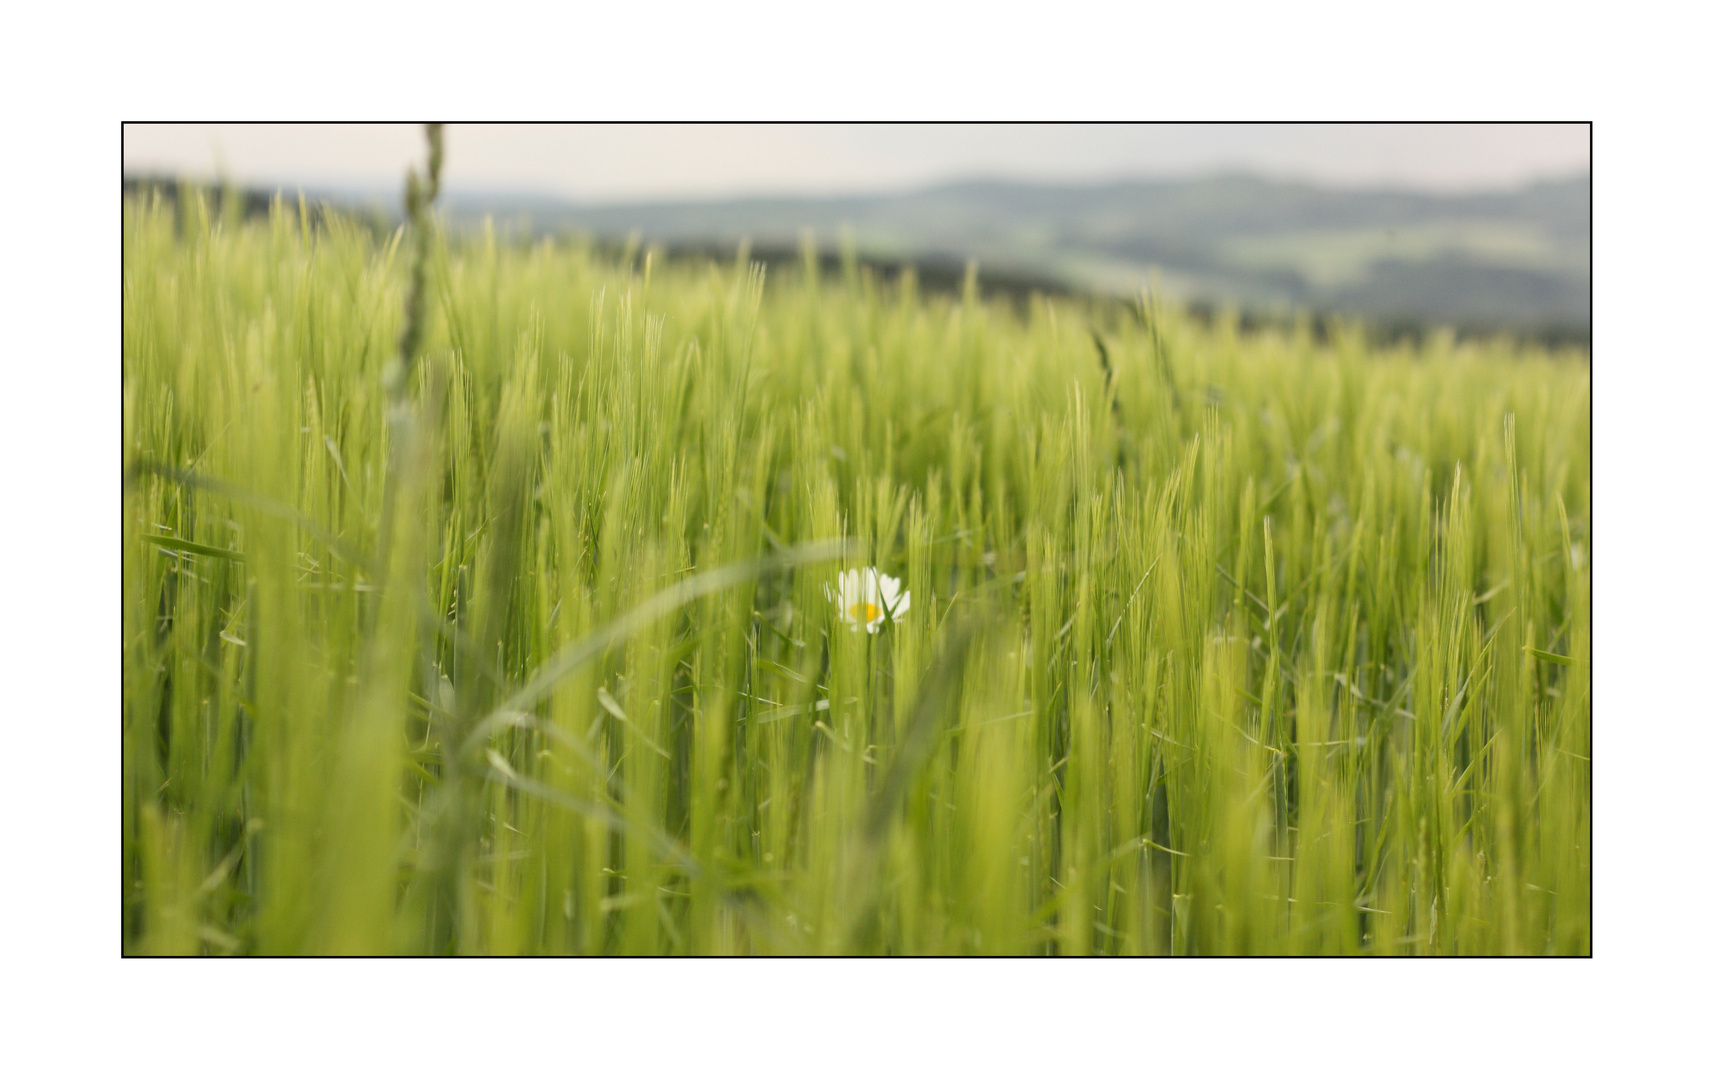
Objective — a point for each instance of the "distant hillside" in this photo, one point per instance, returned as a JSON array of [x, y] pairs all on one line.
[[1510, 260], [1518, 259]]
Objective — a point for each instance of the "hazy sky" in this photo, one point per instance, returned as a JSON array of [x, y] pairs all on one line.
[[605, 163]]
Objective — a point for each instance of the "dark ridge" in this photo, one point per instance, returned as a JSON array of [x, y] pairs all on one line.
[[1324, 327], [935, 275], [255, 203]]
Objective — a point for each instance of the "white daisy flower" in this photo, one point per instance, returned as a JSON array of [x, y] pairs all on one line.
[[867, 598]]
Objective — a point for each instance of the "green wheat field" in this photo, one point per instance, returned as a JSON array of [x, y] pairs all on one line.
[[1217, 643]]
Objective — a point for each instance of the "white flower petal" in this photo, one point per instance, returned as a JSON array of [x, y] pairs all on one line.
[[867, 588]]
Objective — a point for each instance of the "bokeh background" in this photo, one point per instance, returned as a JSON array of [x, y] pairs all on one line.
[[1481, 227]]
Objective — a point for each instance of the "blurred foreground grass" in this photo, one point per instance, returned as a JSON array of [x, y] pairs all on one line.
[[1217, 643]]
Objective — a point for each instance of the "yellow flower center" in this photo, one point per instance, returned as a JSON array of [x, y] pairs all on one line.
[[865, 612]]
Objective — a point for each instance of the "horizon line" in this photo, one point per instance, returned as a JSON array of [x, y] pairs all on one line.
[[450, 191]]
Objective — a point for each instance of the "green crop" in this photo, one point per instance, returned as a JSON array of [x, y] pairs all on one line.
[[1217, 643]]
